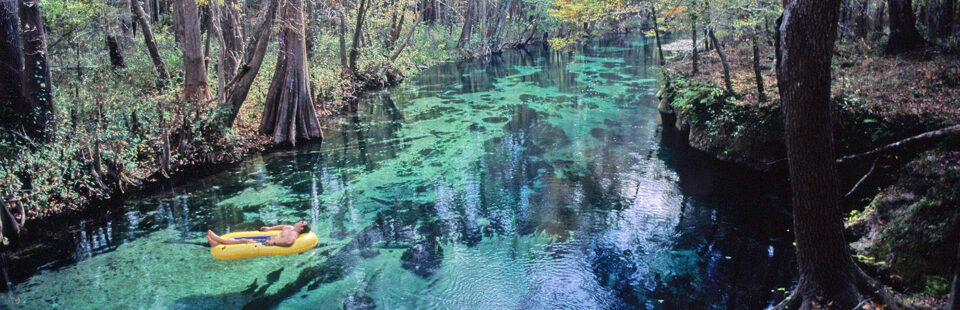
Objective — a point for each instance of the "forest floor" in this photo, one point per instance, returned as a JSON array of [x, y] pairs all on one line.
[[904, 221]]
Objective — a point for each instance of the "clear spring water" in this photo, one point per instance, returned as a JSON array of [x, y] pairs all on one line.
[[535, 179]]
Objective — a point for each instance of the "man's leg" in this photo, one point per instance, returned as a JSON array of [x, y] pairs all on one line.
[[217, 240]]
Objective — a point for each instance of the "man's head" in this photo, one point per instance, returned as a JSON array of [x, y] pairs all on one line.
[[301, 227]]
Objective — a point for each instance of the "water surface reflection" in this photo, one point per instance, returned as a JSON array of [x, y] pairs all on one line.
[[534, 179]]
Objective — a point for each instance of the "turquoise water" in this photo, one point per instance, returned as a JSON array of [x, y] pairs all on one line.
[[535, 179]]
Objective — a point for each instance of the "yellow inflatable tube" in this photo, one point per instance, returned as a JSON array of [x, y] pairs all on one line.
[[235, 251]]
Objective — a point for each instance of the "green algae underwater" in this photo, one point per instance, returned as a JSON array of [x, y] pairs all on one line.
[[534, 179]]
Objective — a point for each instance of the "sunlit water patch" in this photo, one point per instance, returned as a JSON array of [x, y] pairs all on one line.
[[535, 179]]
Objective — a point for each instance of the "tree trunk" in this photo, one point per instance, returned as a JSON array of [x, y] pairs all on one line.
[[36, 74], [357, 36], [288, 114], [194, 74], [311, 28], [151, 44], [13, 107], [236, 90], [656, 32], [827, 270], [344, 64], [761, 96], [230, 39], [903, 29], [696, 54], [467, 26], [955, 288], [723, 60], [113, 46], [939, 19], [406, 39]]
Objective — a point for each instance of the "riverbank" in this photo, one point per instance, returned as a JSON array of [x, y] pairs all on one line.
[[118, 153], [903, 223]]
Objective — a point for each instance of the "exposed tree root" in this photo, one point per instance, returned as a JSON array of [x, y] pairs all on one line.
[[864, 291]]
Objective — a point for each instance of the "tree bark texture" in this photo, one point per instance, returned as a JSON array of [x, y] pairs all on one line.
[[116, 55], [237, 89], [827, 270], [344, 64], [939, 17], [467, 26], [955, 288], [357, 36], [723, 60], [696, 53], [656, 32], [231, 40], [37, 87], [761, 96], [288, 114], [151, 44], [194, 72], [903, 29], [13, 107]]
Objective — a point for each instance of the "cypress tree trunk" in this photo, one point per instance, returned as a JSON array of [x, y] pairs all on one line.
[[194, 72], [36, 74], [723, 60], [13, 107], [151, 44], [903, 29], [288, 114], [230, 39], [239, 86], [467, 26], [827, 270]]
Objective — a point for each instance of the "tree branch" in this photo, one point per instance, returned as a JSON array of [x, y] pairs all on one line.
[[886, 148]]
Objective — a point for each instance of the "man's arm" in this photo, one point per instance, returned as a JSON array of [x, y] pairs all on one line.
[[277, 227]]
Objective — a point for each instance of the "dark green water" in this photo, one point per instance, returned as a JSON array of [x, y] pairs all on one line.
[[531, 180]]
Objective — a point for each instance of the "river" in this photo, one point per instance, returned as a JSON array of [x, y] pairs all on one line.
[[534, 179]]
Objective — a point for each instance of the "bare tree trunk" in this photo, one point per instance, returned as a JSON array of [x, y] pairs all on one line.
[[761, 96], [827, 270], [357, 36], [195, 75], [236, 90], [151, 44], [903, 29], [230, 39], [310, 28], [939, 19], [406, 39], [14, 106], [656, 32], [696, 53], [467, 26], [723, 60], [955, 288], [344, 64], [113, 46], [288, 114], [36, 74]]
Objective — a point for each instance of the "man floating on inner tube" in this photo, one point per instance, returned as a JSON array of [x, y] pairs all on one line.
[[287, 236]]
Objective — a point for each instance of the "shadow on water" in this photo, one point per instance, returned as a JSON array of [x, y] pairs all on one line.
[[532, 179]]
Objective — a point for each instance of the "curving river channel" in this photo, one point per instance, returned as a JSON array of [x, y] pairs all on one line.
[[535, 179]]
